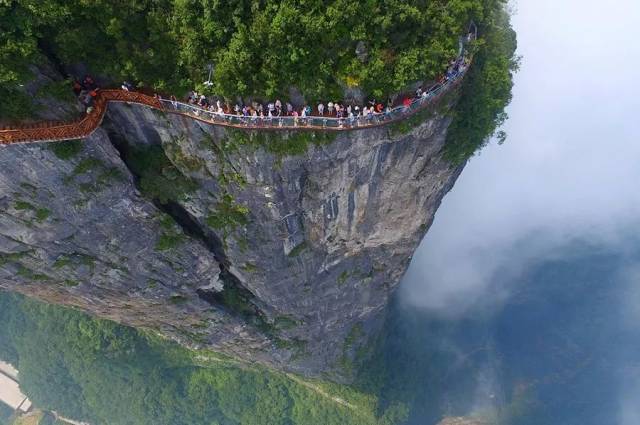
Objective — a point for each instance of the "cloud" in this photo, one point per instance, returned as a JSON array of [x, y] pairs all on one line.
[[569, 170]]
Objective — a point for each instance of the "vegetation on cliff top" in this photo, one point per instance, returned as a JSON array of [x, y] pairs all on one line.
[[257, 47], [263, 48], [486, 90]]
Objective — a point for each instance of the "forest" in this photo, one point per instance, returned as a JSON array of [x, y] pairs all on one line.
[[261, 49], [104, 373]]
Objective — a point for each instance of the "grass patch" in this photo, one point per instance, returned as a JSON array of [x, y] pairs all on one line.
[[297, 250], [249, 267], [233, 298], [86, 165], [168, 241], [404, 126], [295, 344], [61, 262], [345, 362], [42, 214], [35, 418], [180, 158], [67, 149], [28, 186], [342, 279], [177, 299], [228, 214], [166, 222], [104, 174], [159, 178], [285, 322], [243, 244], [75, 259], [281, 144], [23, 206], [354, 335], [12, 257], [29, 274], [171, 236]]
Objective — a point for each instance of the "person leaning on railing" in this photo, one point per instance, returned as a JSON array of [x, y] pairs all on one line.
[[334, 110]]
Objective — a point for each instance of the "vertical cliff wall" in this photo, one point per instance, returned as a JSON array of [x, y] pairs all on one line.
[[280, 248]]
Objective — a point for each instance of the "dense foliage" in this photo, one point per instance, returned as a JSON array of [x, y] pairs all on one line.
[[109, 374], [5, 414], [258, 47], [486, 89], [262, 48]]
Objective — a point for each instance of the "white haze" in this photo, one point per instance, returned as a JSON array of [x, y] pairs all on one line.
[[569, 170]]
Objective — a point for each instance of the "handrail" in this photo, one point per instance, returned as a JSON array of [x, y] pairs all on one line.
[[316, 123], [84, 127]]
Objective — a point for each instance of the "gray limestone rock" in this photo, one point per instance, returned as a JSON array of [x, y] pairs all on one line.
[[286, 260]]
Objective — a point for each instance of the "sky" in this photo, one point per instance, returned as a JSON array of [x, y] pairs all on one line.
[[569, 170], [570, 166]]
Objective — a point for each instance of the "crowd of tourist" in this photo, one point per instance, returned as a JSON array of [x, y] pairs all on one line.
[[339, 110], [86, 90]]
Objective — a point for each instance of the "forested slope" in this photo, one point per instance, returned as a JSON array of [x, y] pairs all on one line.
[[99, 371]]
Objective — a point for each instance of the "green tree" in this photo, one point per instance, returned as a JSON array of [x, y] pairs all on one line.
[[486, 90]]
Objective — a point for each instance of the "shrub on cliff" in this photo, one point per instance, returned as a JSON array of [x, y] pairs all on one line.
[[486, 90], [257, 48]]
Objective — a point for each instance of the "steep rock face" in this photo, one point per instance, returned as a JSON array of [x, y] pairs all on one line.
[[288, 260]]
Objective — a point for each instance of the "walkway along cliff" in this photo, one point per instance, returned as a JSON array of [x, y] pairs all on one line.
[[281, 247], [49, 132]]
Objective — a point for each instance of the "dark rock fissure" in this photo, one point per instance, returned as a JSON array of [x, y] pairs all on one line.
[[191, 227], [234, 298]]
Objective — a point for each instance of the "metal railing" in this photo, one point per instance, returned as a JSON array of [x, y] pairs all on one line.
[[329, 123], [85, 126]]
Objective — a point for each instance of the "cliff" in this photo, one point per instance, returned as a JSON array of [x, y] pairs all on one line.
[[278, 248]]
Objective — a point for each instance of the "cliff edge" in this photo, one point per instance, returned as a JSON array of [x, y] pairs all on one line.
[[279, 248]]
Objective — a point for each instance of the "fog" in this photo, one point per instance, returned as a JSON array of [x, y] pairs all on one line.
[[562, 193], [569, 169]]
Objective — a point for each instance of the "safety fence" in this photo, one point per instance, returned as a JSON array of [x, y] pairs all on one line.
[[317, 123], [84, 127]]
